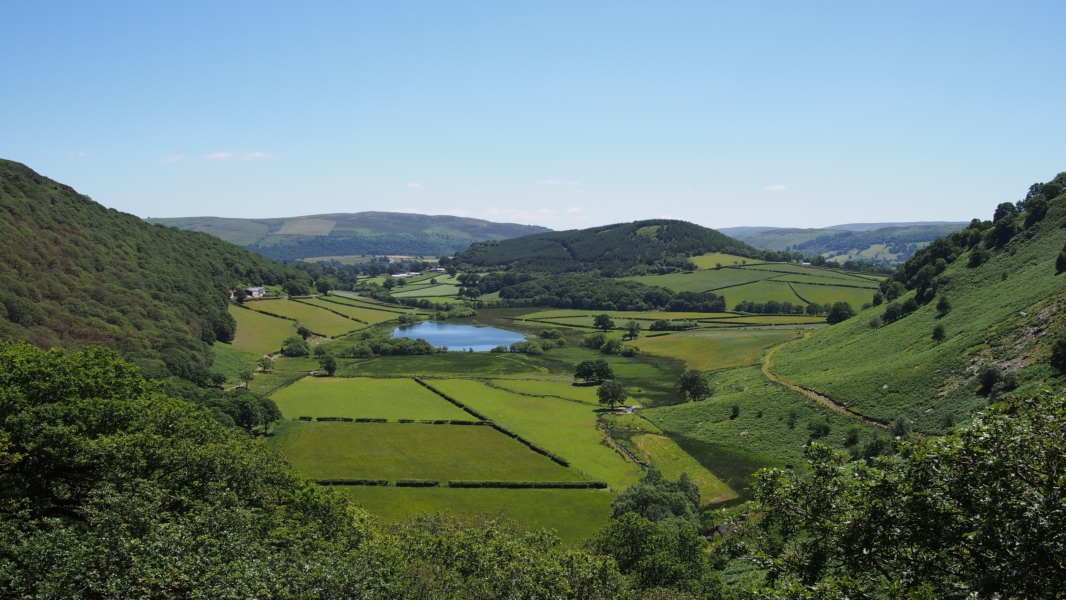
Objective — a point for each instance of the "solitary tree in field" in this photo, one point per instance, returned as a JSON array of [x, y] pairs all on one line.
[[633, 329], [245, 376], [612, 393], [328, 364], [303, 332], [939, 335], [943, 307], [841, 311], [693, 386], [603, 322], [265, 364], [586, 370]]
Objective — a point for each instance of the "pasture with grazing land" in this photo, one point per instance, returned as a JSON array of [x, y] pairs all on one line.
[[560, 426], [259, 333], [366, 315], [364, 397], [314, 318], [715, 349], [663, 454], [711, 259], [560, 389], [392, 451], [231, 362]]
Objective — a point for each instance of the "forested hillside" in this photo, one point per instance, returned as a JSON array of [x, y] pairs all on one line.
[[345, 234], [970, 317], [73, 272], [890, 245], [641, 247]]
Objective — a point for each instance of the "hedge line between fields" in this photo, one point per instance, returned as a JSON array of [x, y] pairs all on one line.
[[340, 314], [554, 457], [513, 485], [480, 416]]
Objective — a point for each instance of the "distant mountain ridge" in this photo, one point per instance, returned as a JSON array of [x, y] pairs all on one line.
[[886, 243], [368, 232]]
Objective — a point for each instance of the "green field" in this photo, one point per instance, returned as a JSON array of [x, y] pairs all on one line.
[[231, 361], [560, 389], [708, 261], [565, 428], [762, 291], [831, 279], [465, 364], [364, 397], [428, 291], [259, 333], [663, 454], [367, 315], [715, 349], [324, 450], [317, 320], [825, 294], [265, 384], [573, 514], [349, 259], [702, 281]]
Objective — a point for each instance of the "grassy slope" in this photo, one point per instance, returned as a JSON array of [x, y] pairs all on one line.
[[706, 350], [563, 427], [314, 318], [260, 333], [363, 397], [559, 389], [662, 453], [898, 370], [573, 514], [411, 451], [231, 361], [366, 315]]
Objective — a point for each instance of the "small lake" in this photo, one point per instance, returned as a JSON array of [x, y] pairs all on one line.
[[459, 337]]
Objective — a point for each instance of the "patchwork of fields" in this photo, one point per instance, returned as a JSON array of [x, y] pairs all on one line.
[[515, 419]]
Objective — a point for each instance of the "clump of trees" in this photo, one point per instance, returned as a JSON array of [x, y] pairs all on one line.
[[612, 393], [598, 370], [693, 386]]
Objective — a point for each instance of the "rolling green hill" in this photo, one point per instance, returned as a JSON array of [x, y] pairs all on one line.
[[73, 272], [637, 248], [347, 234], [994, 289], [888, 243]]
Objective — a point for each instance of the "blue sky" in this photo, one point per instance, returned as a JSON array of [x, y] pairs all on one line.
[[564, 114]]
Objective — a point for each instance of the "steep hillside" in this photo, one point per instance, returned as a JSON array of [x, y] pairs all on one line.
[[890, 244], [655, 246], [73, 272], [353, 233], [995, 290]]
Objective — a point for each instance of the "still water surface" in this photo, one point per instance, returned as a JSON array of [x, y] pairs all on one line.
[[459, 337]]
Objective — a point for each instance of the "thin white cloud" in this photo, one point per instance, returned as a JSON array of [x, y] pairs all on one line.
[[218, 156], [256, 156], [776, 188], [174, 159], [557, 182], [572, 210], [416, 186]]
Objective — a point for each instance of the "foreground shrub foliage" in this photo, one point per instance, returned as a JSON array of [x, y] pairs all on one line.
[[979, 513]]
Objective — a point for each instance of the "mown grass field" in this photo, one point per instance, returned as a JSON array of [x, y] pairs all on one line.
[[827, 277], [317, 320], [364, 397], [715, 349], [259, 333], [563, 427], [708, 261], [662, 453], [560, 389], [265, 384], [231, 361], [573, 514], [427, 291], [468, 364], [367, 315], [323, 450], [824, 294]]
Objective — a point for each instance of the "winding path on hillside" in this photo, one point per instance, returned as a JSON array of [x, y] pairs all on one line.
[[767, 363]]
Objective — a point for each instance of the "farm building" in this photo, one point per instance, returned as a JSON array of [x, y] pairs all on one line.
[[255, 292], [406, 275]]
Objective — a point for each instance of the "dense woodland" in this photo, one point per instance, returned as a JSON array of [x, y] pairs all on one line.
[[73, 272], [638, 248]]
